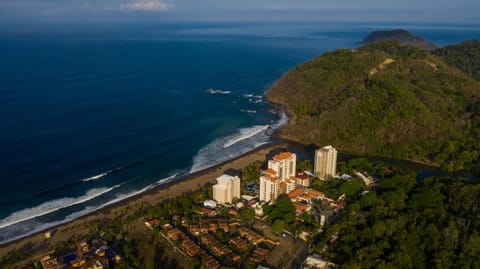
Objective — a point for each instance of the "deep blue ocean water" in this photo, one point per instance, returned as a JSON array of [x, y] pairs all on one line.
[[92, 114]]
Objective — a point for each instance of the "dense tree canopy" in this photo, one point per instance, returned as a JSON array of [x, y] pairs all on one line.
[[434, 224], [465, 56], [384, 99]]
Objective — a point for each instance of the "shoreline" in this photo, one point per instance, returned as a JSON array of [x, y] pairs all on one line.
[[36, 244]]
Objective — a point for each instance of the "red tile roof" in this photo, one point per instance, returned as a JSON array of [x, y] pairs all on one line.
[[296, 192], [270, 171], [282, 156], [315, 193], [301, 175], [300, 207]]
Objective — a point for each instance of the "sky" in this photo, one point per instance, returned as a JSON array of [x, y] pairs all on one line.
[[460, 11]]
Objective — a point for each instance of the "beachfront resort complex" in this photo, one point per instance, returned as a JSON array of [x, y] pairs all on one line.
[[230, 225], [281, 176]]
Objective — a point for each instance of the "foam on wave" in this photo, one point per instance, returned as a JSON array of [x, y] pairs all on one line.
[[217, 91], [245, 133], [30, 225], [95, 177], [223, 149], [52, 206], [229, 147]]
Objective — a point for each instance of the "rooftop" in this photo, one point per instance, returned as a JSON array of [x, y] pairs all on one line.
[[296, 192], [326, 148], [225, 178], [301, 175], [271, 178], [315, 193], [270, 171], [282, 156], [219, 186], [300, 207]]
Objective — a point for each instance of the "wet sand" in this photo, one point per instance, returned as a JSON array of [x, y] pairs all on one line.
[[36, 244]]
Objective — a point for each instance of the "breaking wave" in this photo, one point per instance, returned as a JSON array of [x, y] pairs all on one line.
[[217, 91], [101, 175], [30, 225], [245, 133], [229, 147], [52, 206]]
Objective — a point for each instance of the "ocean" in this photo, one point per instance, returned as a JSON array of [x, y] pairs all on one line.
[[93, 114]]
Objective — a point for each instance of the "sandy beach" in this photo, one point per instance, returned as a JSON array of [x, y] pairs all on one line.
[[36, 244]]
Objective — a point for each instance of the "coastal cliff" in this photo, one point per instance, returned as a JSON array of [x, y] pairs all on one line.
[[384, 99]]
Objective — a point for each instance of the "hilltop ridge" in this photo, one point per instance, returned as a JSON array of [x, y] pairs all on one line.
[[404, 37], [384, 99]]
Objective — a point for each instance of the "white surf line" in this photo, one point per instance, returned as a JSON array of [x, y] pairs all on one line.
[[234, 141], [128, 195], [82, 213], [86, 198], [101, 175]]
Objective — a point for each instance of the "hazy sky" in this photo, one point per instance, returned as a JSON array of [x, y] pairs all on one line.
[[460, 11]]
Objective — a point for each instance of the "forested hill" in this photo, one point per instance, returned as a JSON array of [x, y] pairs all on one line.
[[464, 56], [384, 99], [404, 224], [400, 35]]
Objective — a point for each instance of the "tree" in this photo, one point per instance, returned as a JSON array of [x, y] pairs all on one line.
[[196, 263], [278, 226], [433, 224], [283, 210], [247, 213], [350, 188], [266, 209], [305, 165], [251, 172]]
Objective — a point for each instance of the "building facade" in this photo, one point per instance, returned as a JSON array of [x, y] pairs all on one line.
[[269, 188], [302, 179], [226, 189], [325, 162], [279, 177], [285, 164]]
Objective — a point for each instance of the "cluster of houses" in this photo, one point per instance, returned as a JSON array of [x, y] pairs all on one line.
[[219, 249], [209, 225], [190, 248], [88, 255], [198, 240]]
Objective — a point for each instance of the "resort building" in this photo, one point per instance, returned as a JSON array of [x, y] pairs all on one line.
[[302, 179], [279, 177], [226, 189], [287, 185], [269, 186], [325, 162], [284, 164]]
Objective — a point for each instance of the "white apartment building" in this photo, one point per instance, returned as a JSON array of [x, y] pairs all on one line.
[[325, 162], [269, 188], [285, 164], [279, 177], [226, 189]]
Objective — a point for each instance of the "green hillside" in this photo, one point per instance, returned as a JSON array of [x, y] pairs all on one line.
[[404, 224], [464, 56], [384, 99]]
